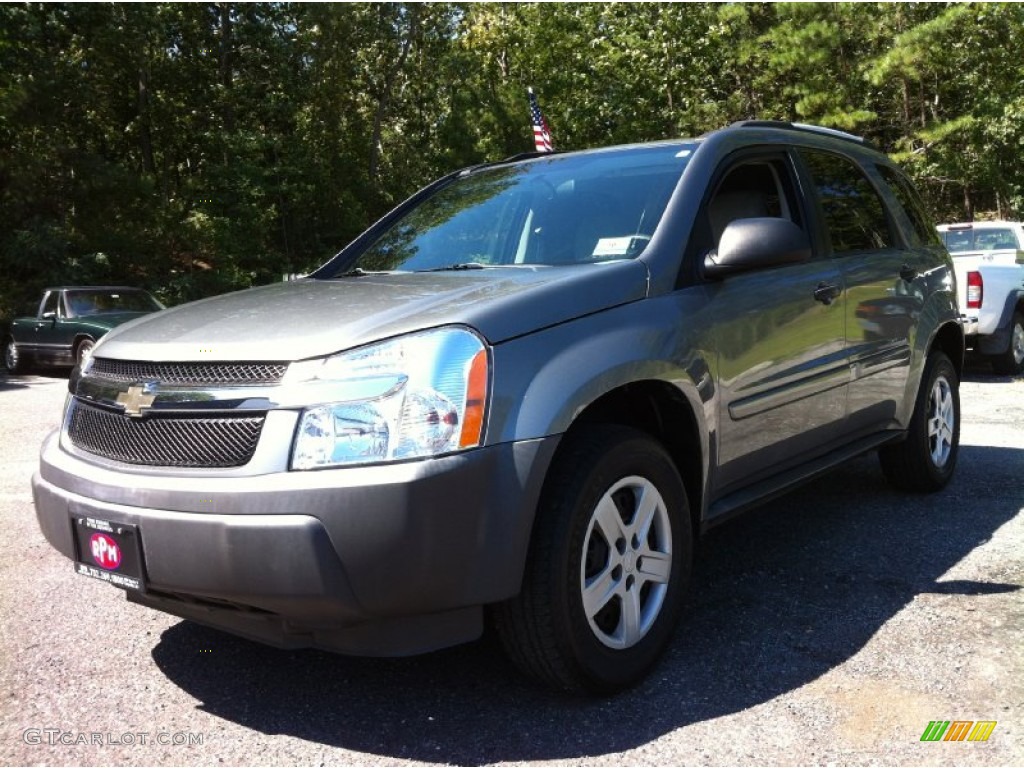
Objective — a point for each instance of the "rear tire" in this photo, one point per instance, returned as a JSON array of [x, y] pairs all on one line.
[[1011, 361], [925, 460], [608, 564]]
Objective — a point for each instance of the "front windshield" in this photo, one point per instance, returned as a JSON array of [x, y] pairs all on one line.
[[81, 303], [571, 209], [987, 239]]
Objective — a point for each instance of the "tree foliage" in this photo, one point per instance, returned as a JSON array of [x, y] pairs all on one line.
[[199, 147]]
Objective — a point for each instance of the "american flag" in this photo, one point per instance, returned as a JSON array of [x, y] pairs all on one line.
[[541, 134]]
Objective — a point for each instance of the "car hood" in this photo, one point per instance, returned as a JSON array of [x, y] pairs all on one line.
[[309, 318]]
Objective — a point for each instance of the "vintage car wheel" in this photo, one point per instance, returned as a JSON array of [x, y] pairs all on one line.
[[926, 459], [1011, 361], [13, 360], [83, 351], [609, 561]]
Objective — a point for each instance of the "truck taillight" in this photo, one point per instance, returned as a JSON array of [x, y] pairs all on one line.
[[975, 290]]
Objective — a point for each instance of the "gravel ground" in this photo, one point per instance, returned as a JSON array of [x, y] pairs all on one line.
[[827, 628]]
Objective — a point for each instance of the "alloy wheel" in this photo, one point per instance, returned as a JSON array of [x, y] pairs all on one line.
[[627, 562], [941, 421]]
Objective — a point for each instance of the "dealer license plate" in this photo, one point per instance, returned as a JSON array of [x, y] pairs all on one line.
[[108, 551]]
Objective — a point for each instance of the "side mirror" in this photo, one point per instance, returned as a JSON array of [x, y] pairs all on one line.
[[49, 315], [756, 243]]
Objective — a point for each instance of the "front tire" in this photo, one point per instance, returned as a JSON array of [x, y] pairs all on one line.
[[1011, 361], [13, 360], [608, 565], [83, 351], [925, 461]]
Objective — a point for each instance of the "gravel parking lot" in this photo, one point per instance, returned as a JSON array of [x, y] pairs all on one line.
[[829, 627]]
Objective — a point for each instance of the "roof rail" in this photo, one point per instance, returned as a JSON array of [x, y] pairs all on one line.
[[836, 134]]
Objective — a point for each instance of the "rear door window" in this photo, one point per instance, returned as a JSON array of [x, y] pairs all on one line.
[[853, 213]]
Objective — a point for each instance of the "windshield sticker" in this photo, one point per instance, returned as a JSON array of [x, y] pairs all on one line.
[[612, 246]]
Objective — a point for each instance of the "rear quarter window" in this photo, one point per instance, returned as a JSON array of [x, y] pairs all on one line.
[[913, 206]]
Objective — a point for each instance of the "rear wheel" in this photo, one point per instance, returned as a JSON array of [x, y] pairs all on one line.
[[13, 360], [608, 565], [926, 459], [1011, 361]]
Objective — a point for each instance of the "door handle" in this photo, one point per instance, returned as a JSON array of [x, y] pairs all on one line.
[[826, 293], [908, 273]]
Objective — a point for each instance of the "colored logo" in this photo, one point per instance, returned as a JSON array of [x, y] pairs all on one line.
[[958, 730], [105, 551]]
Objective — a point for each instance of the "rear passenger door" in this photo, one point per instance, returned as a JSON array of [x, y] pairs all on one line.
[[884, 297], [778, 331]]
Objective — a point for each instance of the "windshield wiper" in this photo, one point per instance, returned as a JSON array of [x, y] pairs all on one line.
[[358, 272], [456, 267]]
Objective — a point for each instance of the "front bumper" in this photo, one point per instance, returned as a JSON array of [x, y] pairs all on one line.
[[381, 560]]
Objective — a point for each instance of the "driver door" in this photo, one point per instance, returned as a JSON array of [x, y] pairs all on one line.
[[779, 333]]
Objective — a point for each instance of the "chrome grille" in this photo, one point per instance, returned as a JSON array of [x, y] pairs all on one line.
[[220, 441], [188, 373]]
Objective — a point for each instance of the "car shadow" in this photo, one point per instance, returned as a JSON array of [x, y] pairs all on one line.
[[11, 381], [780, 597], [978, 370]]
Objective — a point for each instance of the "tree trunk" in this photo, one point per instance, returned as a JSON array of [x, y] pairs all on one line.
[[384, 97], [905, 87], [145, 134], [226, 79]]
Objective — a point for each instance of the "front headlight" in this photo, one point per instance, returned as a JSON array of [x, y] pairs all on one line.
[[419, 395]]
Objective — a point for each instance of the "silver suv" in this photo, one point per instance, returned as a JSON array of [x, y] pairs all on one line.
[[523, 394]]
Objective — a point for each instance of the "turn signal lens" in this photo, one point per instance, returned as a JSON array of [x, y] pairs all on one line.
[[476, 401]]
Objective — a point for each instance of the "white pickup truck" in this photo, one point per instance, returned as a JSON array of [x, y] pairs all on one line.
[[989, 260]]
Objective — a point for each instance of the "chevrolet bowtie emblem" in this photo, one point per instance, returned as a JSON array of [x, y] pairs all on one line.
[[134, 400]]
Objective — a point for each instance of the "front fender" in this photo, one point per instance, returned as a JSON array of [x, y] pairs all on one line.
[[18, 329], [543, 381]]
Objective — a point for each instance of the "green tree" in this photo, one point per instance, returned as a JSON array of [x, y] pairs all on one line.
[[200, 147], [955, 77]]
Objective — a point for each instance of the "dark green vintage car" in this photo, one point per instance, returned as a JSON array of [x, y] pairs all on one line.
[[69, 322]]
